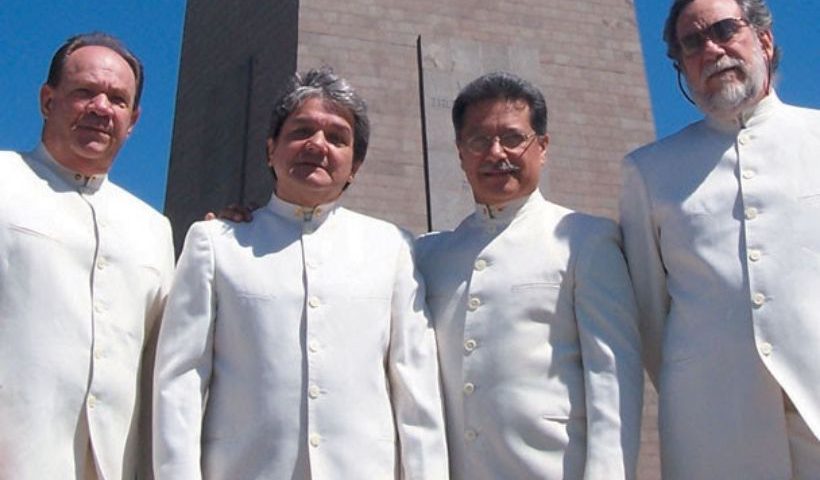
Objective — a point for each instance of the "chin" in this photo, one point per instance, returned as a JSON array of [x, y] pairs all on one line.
[[96, 155]]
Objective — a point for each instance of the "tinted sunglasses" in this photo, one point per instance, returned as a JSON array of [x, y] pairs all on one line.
[[719, 33]]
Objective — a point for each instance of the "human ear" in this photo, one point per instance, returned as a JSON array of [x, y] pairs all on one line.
[[46, 95]]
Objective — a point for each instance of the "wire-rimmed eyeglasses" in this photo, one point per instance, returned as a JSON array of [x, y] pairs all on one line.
[[512, 142]]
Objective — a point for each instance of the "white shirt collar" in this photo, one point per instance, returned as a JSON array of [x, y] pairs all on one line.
[[752, 116], [504, 213], [300, 214], [79, 181]]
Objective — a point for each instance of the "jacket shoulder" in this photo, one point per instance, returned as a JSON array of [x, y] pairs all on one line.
[[667, 148], [375, 226], [582, 226], [802, 120], [137, 207], [12, 164], [431, 241], [9, 156]]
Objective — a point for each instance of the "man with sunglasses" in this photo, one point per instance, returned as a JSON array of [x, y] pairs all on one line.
[[721, 232], [534, 314]]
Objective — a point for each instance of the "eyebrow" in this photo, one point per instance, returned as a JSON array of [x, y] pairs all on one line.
[[303, 121]]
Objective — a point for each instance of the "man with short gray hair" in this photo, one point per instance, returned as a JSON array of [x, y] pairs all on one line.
[[297, 345], [721, 230]]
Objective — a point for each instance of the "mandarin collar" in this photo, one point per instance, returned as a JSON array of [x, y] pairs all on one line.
[[81, 182], [504, 213], [300, 214], [750, 117]]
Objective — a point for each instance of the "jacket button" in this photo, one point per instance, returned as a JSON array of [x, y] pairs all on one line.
[[470, 345]]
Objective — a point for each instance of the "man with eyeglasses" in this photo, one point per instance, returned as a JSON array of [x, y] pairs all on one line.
[[533, 309], [721, 233]]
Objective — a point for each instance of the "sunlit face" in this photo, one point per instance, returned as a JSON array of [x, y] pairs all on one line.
[[725, 77], [90, 114], [500, 175], [313, 154]]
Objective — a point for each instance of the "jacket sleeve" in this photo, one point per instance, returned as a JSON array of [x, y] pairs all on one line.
[[152, 325], [184, 361], [646, 268], [611, 355], [414, 376]]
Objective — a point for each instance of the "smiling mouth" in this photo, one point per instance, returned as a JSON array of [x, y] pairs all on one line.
[[92, 128], [310, 166]]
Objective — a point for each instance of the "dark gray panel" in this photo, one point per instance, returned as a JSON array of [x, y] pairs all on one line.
[[236, 56]]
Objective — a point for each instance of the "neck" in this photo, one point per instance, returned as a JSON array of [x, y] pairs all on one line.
[[83, 166]]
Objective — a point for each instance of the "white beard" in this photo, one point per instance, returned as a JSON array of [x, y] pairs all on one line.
[[734, 96]]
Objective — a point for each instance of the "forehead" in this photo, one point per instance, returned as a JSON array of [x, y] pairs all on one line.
[[317, 109], [497, 113], [701, 13], [96, 62]]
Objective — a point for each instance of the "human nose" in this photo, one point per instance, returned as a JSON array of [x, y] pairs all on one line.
[[317, 143], [711, 49], [495, 149], [99, 105]]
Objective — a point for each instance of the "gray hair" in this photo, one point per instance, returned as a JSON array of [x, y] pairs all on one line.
[[501, 86], [324, 84], [756, 12]]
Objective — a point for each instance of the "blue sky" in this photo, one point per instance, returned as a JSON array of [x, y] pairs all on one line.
[[30, 31]]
